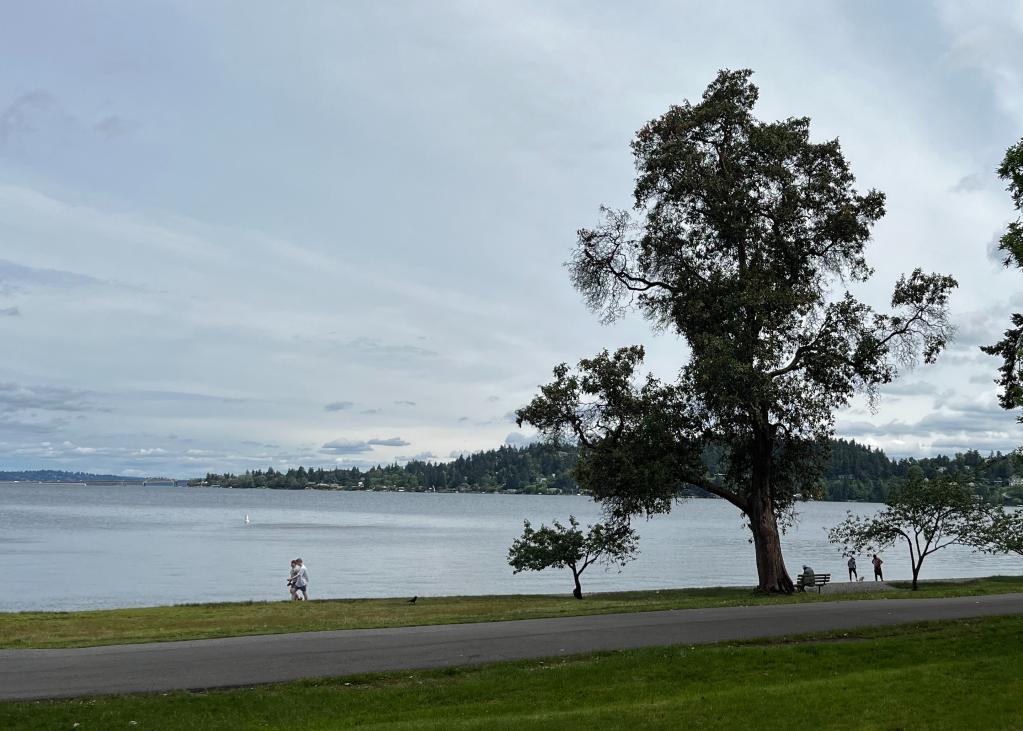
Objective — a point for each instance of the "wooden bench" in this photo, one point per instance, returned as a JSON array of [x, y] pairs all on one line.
[[819, 580]]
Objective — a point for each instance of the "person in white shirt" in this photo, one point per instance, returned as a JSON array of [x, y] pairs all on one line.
[[301, 580]]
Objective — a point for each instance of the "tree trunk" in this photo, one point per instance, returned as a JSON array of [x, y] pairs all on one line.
[[774, 578], [577, 592], [916, 573]]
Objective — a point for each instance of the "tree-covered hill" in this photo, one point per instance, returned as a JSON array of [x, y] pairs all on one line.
[[61, 476], [855, 472]]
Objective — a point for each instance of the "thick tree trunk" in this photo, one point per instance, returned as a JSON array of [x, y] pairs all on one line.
[[774, 578], [577, 592]]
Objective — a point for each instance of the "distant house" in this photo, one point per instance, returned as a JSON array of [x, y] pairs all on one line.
[[1015, 481]]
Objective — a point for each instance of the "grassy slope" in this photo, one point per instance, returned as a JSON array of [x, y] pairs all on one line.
[[154, 624], [957, 675]]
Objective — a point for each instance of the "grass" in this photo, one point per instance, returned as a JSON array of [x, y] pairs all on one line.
[[161, 624], [953, 675]]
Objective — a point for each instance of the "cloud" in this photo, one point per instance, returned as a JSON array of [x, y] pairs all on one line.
[[493, 399], [910, 388], [180, 396], [15, 397], [10, 312], [462, 419], [370, 411], [339, 406], [12, 272], [970, 183], [29, 115], [352, 446], [518, 439], [346, 446], [405, 403], [420, 457], [37, 120], [391, 442], [113, 126]]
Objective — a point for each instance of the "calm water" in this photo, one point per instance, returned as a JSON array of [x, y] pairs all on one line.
[[68, 547]]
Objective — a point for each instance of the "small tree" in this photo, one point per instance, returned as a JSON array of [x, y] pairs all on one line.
[[927, 515], [560, 547]]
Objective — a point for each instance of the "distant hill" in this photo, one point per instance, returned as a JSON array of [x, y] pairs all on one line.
[[62, 476], [854, 472]]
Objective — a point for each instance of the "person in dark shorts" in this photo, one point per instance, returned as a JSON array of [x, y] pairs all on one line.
[[301, 580], [291, 580], [878, 576], [852, 568]]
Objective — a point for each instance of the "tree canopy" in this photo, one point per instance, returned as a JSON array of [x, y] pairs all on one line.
[[561, 547], [742, 240]]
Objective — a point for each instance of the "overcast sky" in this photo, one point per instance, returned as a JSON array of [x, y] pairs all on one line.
[[236, 234]]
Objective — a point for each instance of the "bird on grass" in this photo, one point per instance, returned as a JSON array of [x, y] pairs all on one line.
[[412, 600]]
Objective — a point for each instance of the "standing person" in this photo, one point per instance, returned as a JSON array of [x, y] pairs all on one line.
[[291, 580], [852, 568], [302, 579], [878, 576]]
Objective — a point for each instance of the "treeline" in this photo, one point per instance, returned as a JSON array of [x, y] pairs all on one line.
[[854, 472], [859, 472], [536, 468], [60, 476]]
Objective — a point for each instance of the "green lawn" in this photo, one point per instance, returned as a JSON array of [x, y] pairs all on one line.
[[157, 624], [955, 675]]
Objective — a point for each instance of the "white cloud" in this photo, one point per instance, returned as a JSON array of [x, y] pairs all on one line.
[[419, 265]]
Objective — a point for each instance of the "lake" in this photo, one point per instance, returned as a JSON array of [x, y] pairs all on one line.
[[65, 547]]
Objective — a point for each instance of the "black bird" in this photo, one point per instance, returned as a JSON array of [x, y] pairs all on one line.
[[412, 600]]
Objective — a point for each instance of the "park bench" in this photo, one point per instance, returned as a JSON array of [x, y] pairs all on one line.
[[819, 580]]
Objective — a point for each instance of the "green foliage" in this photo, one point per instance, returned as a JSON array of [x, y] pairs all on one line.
[[560, 547], [743, 238], [1010, 347], [1005, 533], [927, 515], [535, 468]]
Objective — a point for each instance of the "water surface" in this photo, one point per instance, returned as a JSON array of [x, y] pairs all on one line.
[[70, 547]]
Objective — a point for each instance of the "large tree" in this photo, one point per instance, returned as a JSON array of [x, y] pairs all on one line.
[[1010, 347], [742, 240]]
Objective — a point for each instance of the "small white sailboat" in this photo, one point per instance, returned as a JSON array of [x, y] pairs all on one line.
[[247, 521]]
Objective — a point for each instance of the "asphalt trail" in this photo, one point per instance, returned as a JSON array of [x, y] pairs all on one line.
[[238, 661]]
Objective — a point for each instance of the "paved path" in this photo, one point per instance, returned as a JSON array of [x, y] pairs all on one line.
[[270, 658]]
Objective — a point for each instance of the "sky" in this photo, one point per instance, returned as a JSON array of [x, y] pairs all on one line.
[[245, 234]]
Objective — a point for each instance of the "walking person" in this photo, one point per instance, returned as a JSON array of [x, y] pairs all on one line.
[[878, 576], [291, 581], [852, 568], [301, 580]]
